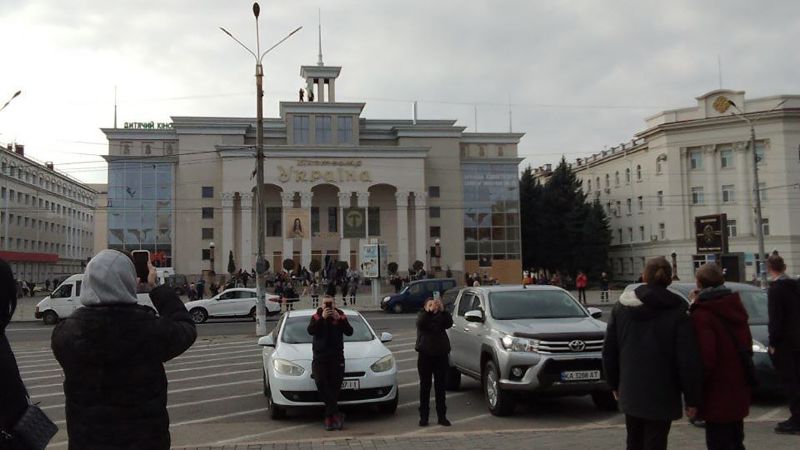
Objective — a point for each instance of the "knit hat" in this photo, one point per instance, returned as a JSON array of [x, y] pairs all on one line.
[[109, 279]]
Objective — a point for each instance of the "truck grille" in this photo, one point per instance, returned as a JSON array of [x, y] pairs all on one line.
[[566, 342]]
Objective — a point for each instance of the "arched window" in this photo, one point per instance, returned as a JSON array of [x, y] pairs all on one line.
[[616, 178], [608, 180], [589, 186], [597, 182], [639, 172], [627, 176]]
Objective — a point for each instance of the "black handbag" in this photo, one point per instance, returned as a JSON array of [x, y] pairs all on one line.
[[34, 429]]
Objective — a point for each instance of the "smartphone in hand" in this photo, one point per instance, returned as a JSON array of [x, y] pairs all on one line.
[[140, 260]]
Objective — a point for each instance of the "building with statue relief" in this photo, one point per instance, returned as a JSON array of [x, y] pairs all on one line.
[[333, 181]]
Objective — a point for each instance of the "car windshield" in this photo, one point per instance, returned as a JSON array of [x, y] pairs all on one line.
[[533, 304], [296, 330]]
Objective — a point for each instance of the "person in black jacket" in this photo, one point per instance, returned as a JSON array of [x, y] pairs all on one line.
[[13, 396], [329, 326], [113, 352], [784, 337], [650, 357], [433, 347]]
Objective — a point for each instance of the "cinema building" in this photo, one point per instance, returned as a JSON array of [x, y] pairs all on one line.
[[334, 181]]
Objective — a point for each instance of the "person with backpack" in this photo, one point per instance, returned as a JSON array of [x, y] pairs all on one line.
[[784, 337], [723, 336]]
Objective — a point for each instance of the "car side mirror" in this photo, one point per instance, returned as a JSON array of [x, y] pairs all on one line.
[[386, 337], [266, 341], [596, 313], [474, 316]]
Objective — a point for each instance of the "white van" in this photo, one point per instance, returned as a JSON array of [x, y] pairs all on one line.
[[66, 298]]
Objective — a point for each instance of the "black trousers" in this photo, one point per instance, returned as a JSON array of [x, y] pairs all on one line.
[[725, 436], [644, 434], [582, 295], [328, 376], [432, 366], [787, 364]]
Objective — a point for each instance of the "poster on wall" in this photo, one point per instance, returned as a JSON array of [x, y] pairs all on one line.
[[298, 223], [355, 223], [711, 234]]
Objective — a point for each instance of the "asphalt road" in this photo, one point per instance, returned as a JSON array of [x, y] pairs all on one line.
[[215, 395]]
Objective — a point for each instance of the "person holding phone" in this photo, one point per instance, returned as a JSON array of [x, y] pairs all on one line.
[[433, 347], [329, 326]]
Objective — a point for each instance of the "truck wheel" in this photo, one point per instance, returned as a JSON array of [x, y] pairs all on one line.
[[604, 401], [50, 317], [453, 379], [500, 403], [199, 315], [398, 308]]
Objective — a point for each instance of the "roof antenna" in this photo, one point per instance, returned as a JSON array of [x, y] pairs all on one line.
[[115, 106], [719, 69], [319, 31]]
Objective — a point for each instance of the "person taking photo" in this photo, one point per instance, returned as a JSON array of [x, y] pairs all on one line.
[[432, 362]]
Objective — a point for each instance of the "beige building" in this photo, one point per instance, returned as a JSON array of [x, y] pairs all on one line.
[[694, 162], [46, 220], [100, 217], [333, 181]]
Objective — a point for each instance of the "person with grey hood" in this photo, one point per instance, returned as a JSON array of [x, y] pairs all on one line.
[[113, 353], [651, 357]]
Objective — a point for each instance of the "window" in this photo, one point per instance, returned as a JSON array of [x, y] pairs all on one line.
[[465, 303], [208, 233], [481, 151], [616, 178], [627, 176], [333, 219], [274, 221], [314, 220], [641, 233], [208, 191], [762, 191], [206, 254], [589, 186], [695, 159], [433, 191], [760, 147], [662, 231], [434, 212], [640, 200], [639, 172], [628, 204], [765, 226], [658, 166], [436, 232], [619, 209], [630, 234], [345, 130], [619, 233], [323, 129], [608, 181], [300, 129], [208, 213], [148, 149], [698, 198], [374, 220], [728, 195], [597, 183], [731, 228], [126, 148], [726, 158]]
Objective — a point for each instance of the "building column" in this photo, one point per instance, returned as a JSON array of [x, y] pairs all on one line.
[[246, 252], [227, 227], [287, 201], [363, 202], [321, 90], [402, 229], [712, 190], [305, 203], [421, 233], [332, 90], [344, 244], [744, 191]]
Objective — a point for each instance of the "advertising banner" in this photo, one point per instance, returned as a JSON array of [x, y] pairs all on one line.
[[355, 223], [298, 223], [711, 233]]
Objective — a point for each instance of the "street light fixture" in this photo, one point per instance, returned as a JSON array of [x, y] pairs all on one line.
[[16, 94], [762, 273], [261, 268]]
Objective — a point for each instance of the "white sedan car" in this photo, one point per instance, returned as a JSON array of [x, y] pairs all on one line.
[[370, 376], [234, 302]]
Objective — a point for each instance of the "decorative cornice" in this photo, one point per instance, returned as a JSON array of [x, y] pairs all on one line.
[[402, 198], [227, 199]]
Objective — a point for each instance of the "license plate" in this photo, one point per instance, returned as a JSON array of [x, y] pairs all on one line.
[[580, 375], [351, 385]]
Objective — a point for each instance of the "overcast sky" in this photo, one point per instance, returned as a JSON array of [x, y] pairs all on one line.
[[581, 75]]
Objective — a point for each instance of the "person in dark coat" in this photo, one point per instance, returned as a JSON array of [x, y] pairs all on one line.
[[113, 352], [433, 347], [329, 326], [784, 337], [13, 396], [650, 358], [719, 317]]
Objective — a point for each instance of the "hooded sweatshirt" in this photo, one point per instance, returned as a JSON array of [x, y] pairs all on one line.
[[650, 354], [784, 314], [112, 352], [13, 400]]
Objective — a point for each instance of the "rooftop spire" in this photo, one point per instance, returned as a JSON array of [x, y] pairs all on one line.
[[319, 32]]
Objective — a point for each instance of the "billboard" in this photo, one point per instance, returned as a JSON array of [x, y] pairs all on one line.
[[298, 223], [374, 259], [711, 233], [355, 223]]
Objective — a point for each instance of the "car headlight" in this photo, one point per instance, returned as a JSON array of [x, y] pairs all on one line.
[[515, 344], [285, 367], [758, 347], [383, 364], [385, 299]]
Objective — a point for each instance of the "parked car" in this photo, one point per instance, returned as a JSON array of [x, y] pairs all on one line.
[[66, 299], [754, 300], [535, 340], [449, 299], [413, 296], [370, 372], [231, 303]]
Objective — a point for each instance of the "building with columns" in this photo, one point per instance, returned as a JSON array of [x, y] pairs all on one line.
[[694, 162], [334, 181]]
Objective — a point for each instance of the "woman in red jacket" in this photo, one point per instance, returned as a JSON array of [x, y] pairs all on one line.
[[580, 282], [720, 322]]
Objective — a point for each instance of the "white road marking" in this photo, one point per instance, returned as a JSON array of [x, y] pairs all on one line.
[[39, 371], [213, 418], [183, 358], [454, 422], [211, 360], [769, 415], [214, 375], [170, 391]]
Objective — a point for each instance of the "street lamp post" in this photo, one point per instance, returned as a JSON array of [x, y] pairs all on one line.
[[261, 307], [211, 256], [674, 256]]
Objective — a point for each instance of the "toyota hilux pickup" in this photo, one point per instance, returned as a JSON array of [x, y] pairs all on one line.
[[535, 340]]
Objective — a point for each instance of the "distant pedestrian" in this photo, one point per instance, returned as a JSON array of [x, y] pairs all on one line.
[[433, 346], [720, 322], [581, 282], [784, 337], [650, 358], [289, 296], [113, 352], [604, 294], [201, 289], [314, 291], [329, 326], [353, 290], [47, 285]]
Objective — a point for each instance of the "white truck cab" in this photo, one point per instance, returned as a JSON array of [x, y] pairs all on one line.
[[66, 299]]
